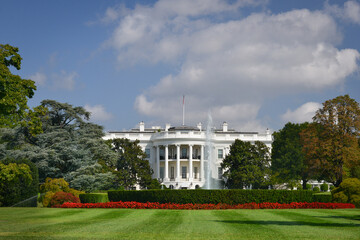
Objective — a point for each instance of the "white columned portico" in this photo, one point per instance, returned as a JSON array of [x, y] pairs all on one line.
[[177, 163], [166, 177], [190, 163], [202, 175], [158, 162]]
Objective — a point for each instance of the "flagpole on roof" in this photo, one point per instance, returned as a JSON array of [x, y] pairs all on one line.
[[183, 110]]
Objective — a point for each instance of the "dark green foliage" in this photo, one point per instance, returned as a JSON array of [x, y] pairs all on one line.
[[154, 184], [321, 197], [93, 197], [324, 187], [131, 166], [348, 192], [316, 189], [247, 165], [308, 186], [234, 196], [69, 147], [287, 157], [18, 191], [332, 187]]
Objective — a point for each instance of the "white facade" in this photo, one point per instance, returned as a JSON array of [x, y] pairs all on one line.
[[177, 154]]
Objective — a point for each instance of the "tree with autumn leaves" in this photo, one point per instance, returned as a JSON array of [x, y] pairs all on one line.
[[331, 142]]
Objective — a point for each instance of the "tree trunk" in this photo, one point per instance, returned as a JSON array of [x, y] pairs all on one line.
[[304, 184]]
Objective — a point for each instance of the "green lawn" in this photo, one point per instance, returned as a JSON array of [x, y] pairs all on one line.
[[44, 223]]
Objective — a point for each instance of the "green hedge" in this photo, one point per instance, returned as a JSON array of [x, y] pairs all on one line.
[[93, 197], [233, 196], [322, 197]]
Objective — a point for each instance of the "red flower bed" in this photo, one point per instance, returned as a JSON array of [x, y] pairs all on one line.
[[190, 206]]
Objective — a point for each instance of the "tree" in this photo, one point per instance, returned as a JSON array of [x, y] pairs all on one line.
[[18, 181], [14, 91], [131, 167], [247, 165], [331, 142], [69, 147], [288, 163]]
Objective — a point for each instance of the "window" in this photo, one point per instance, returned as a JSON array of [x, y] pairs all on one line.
[[172, 172], [195, 172], [162, 153], [220, 153], [184, 153], [147, 152], [161, 172], [219, 173], [196, 155], [183, 172]]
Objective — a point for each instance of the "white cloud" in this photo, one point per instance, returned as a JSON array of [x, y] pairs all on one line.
[[64, 80], [227, 65], [349, 12], [39, 78], [98, 113], [304, 113]]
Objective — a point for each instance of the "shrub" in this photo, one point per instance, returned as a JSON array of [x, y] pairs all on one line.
[[62, 197], [190, 206], [348, 192], [47, 198], [52, 186], [19, 183], [332, 187], [316, 189], [233, 196], [324, 187], [93, 197], [322, 197], [308, 186]]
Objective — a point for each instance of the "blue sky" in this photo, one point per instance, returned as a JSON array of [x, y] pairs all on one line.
[[255, 64]]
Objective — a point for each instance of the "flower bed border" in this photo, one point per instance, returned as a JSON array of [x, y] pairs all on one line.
[[190, 206]]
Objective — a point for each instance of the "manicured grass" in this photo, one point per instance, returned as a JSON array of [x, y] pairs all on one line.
[[45, 223]]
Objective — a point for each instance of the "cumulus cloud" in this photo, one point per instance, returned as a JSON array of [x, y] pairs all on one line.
[[64, 80], [39, 78], [229, 66], [98, 113], [304, 113], [349, 12]]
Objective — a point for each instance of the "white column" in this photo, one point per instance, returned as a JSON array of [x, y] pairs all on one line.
[[202, 174], [177, 163], [166, 177], [190, 163], [153, 160], [157, 162]]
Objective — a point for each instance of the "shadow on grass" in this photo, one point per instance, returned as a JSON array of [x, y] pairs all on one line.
[[354, 217], [287, 223]]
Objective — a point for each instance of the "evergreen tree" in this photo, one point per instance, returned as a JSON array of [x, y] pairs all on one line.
[[288, 163], [131, 167], [70, 147], [247, 165]]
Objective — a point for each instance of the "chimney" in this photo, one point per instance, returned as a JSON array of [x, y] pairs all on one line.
[[167, 126], [225, 127], [267, 131], [199, 126], [142, 126]]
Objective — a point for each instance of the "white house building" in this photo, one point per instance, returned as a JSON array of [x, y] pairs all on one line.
[[178, 154]]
